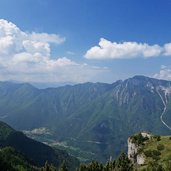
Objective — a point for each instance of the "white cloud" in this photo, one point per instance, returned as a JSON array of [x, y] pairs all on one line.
[[165, 73], [27, 57], [60, 70], [33, 47], [44, 37], [70, 53], [167, 49], [126, 50]]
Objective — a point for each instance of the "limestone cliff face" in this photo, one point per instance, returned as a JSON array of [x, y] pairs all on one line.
[[133, 153], [133, 149]]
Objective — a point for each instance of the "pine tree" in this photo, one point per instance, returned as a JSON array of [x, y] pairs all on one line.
[[63, 166], [48, 167], [123, 163]]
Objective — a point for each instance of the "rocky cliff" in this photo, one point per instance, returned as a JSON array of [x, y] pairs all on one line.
[[134, 146]]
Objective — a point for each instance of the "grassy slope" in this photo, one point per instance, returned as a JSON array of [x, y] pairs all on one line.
[[166, 153], [150, 145]]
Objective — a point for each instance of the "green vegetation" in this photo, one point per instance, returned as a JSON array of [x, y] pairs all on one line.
[[83, 156], [157, 152], [89, 116], [156, 149], [5, 131], [32, 150], [13, 161], [139, 139], [122, 163], [160, 147]]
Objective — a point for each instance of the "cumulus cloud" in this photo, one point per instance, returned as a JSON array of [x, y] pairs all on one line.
[[27, 57], [126, 50], [165, 73], [167, 49], [44, 37]]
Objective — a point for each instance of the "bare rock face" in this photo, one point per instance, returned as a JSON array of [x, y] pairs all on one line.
[[144, 134], [133, 149], [140, 159]]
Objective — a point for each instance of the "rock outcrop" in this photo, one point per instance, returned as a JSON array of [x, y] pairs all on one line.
[[133, 150]]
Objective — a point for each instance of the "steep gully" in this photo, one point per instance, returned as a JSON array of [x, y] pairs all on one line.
[[164, 109]]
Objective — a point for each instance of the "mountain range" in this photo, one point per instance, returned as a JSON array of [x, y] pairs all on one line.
[[93, 118]]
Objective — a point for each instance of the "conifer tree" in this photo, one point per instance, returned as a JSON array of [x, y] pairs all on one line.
[[63, 167]]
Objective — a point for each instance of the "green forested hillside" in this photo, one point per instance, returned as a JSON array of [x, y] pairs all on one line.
[[36, 152], [93, 118], [17, 152], [11, 160]]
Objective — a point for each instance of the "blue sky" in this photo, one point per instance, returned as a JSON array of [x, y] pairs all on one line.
[[136, 37]]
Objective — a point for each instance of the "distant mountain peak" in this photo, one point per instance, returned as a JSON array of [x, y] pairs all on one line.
[[140, 77]]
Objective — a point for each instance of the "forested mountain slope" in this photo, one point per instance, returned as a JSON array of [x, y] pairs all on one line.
[[95, 117], [28, 151]]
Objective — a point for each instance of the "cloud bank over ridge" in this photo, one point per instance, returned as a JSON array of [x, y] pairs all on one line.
[[164, 73], [27, 57]]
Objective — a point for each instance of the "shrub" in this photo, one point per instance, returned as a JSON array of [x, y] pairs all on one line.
[[156, 157], [152, 153], [148, 153], [157, 137], [156, 153], [139, 139], [160, 147], [154, 166]]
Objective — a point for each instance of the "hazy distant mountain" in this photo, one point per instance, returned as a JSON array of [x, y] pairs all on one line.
[[50, 85], [95, 117], [43, 85]]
